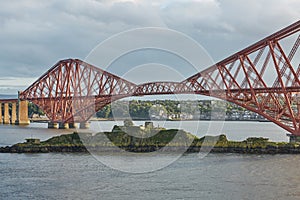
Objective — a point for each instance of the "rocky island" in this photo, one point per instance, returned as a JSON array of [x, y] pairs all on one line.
[[149, 139]]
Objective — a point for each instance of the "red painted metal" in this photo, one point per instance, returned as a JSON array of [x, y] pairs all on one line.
[[278, 102], [72, 90]]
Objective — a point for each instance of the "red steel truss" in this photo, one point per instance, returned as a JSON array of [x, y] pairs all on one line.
[[72, 90], [263, 78]]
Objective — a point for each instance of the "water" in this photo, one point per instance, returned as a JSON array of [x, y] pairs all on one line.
[[13, 134], [216, 176]]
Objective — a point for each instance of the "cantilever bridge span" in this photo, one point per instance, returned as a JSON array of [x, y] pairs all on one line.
[[263, 78]]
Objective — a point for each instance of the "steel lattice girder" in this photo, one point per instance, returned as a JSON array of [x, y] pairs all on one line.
[[72, 90]]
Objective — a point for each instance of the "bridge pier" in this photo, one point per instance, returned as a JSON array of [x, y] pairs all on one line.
[[1, 120], [13, 117], [63, 125], [6, 118], [23, 113], [73, 125], [53, 125]]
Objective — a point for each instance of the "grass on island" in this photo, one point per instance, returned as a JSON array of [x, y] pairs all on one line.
[[149, 138], [119, 137]]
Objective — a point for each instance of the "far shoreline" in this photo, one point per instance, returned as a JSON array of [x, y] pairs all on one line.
[[43, 120]]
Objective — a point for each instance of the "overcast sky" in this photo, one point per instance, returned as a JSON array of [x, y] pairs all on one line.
[[35, 34]]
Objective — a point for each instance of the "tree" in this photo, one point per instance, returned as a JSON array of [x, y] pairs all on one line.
[[34, 109]]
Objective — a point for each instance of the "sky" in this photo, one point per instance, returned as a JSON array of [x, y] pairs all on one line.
[[35, 34]]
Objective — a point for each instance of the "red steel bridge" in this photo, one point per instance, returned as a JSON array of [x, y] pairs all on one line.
[[263, 78]]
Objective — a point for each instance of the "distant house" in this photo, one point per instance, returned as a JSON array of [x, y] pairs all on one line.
[[130, 128], [149, 125], [33, 141]]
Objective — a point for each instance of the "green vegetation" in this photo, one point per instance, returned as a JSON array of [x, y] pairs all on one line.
[[34, 109], [148, 138], [167, 109], [157, 137], [143, 109], [176, 110], [69, 139]]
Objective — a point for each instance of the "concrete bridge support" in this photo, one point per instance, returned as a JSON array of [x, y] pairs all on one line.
[[73, 125], [13, 117], [1, 120], [53, 125], [17, 115], [23, 113], [6, 118], [63, 125]]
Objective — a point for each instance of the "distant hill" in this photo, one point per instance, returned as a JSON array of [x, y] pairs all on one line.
[[8, 96]]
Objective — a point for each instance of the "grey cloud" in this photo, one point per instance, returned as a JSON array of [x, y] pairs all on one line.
[[35, 34], [224, 27]]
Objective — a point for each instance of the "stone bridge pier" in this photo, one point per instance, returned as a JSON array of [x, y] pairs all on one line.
[[14, 112], [56, 125]]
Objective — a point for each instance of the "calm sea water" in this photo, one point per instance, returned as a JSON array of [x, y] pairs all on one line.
[[216, 176]]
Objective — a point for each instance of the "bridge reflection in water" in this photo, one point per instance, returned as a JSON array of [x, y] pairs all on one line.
[[263, 78]]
